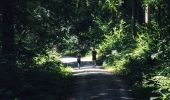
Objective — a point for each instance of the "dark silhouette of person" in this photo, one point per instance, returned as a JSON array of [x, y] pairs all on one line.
[[78, 59], [94, 53]]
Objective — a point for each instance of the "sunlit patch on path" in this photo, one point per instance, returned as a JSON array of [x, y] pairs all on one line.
[[87, 70], [96, 83]]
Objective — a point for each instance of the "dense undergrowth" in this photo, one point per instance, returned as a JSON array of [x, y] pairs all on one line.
[[45, 79], [144, 59]]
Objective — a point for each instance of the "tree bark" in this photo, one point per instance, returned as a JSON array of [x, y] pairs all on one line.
[[133, 18], [147, 14], [139, 12], [168, 2], [8, 34]]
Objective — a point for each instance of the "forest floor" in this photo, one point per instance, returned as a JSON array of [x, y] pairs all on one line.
[[96, 83]]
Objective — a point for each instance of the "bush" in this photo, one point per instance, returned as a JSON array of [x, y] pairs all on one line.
[[144, 59]]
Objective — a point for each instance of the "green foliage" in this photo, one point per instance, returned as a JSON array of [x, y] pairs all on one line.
[[45, 79], [50, 56], [50, 62], [138, 57], [69, 45], [163, 85], [144, 65], [42, 25], [111, 5], [152, 2], [113, 38]]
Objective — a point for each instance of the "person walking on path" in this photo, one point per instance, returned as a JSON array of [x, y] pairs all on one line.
[[94, 57], [78, 59]]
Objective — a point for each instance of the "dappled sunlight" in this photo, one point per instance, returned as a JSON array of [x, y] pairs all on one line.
[[95, 83], [89, 70], [72, 61], [91, 85], [68, 59], [129, 39]]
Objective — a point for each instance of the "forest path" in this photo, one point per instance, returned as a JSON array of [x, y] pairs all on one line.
[[95, 83]]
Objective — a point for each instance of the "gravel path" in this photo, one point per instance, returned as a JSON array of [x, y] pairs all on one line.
[[97, 84]]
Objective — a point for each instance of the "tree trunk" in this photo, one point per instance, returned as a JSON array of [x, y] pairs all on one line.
[[168, 2], [8, 40], [133, 18], [147, 14], [168, 9], [139, 12]]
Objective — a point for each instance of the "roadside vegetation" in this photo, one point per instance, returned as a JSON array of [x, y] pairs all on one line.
[[144, 58], [131, 37]]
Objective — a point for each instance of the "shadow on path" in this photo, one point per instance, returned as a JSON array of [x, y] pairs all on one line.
[[96, 84]]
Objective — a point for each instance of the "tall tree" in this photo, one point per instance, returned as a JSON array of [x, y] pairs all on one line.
[[133, 3], [139, 12], [137, 16], [8, 9], [147, 14]]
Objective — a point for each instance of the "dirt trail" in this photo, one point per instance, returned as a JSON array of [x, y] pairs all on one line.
[[97, 84]]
